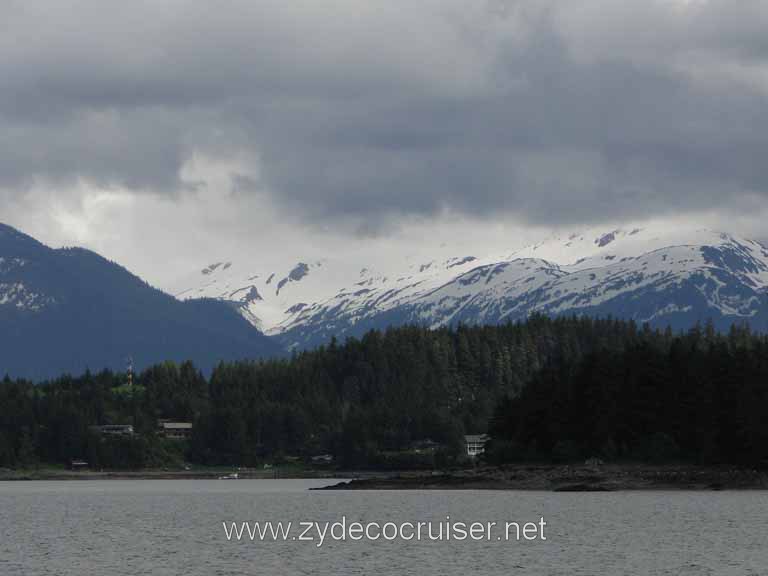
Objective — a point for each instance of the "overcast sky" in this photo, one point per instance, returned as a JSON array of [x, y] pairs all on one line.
[[166, 134]]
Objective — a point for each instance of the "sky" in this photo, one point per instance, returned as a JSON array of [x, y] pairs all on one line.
[[169, 134]]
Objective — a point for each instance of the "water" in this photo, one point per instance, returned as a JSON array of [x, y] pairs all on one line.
[[175, 528]]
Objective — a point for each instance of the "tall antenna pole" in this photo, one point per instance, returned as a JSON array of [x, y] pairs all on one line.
[[130, 388], [130, 374]]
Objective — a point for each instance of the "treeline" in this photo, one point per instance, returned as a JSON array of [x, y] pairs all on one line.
[[549, 388], [698, 398]]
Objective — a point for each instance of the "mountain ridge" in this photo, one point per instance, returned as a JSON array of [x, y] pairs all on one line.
[[70, 309], [660, 276]]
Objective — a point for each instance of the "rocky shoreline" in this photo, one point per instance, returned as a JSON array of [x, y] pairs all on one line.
[[569, 478]]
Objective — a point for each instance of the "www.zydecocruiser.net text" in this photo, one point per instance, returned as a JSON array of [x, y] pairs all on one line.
[[343, 530]]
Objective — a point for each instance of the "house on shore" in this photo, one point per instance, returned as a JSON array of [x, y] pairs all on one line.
[[475, 444], [174, 430]]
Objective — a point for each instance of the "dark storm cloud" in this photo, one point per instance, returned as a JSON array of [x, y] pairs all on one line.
[[548, 111]]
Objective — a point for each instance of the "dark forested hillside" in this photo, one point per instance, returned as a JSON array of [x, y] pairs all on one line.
[[68, 310], [548, 389], [699, 398]]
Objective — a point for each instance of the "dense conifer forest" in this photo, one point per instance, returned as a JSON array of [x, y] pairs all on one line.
[[560, 389]]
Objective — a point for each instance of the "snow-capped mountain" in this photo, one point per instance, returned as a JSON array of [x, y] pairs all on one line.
[[651, 274]]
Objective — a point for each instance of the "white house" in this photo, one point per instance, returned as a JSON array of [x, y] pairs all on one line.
[[174, 430], [475, 444]]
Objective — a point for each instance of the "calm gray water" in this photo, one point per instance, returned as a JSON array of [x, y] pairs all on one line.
[[175, 528]]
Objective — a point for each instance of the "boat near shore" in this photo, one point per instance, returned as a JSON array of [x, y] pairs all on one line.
[[233, 476]]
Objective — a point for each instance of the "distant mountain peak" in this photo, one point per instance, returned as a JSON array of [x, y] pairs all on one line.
[[15, 239], [295, 275], [606, 239], [211, 268]]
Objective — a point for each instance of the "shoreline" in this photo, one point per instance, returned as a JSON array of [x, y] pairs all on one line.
[[538, 477], [49, 474], [570, 478]]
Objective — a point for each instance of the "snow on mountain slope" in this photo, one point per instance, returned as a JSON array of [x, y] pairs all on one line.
[[650, 273], [598, 247], [644, 284], [14, 291], [18, 295], [275, 298]]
